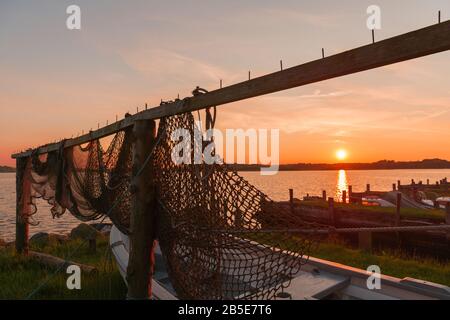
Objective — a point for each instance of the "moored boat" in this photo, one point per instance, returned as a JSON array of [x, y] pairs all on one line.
[[318, 279]]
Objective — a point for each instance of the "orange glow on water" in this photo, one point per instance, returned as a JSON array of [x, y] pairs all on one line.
[[342, 184]]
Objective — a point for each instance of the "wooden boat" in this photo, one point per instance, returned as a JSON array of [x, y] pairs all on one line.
[[443, 201], [318, 279], [376, 201]]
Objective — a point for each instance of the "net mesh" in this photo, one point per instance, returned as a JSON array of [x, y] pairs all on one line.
[[220, 236], [89, 181]]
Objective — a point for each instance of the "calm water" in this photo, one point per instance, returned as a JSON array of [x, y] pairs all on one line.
[[43, 215], [276, 187]]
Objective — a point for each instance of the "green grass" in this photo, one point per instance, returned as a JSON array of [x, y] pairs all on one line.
[[433, 214], [20, 276], [391, 263]]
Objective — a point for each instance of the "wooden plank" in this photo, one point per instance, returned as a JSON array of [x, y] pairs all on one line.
[[415, 44], [307, 285], [55, 262]]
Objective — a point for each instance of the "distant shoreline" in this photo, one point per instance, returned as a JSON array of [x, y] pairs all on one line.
[[6, 169], [427, 164]]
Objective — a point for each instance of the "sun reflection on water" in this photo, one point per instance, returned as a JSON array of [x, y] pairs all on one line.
[[342, 185]]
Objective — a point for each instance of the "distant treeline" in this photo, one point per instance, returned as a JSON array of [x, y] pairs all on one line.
[[379, 165], [7, 169]]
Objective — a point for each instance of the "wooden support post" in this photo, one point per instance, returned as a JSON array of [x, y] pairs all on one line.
[[398, 184], [332, 211], [23, 193], [350, 194], [447, 220], [365, 241], [394, 187], [324, 195], [398, 208], [291, 199], [436, 204], [368, 187], [143, 233], [428, 181], [344, 196]]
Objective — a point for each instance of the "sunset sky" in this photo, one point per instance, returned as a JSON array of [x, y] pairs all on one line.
[[55, 82]]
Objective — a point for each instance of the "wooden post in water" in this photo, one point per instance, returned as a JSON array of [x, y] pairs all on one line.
[[344, 196], [141, 261], [368, 187], [324, 195], [394, 187], [398, 207], [291, 199], [332, 211], [23, 193], [398, 184]]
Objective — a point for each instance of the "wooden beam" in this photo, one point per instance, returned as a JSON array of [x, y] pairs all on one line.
[[55, 262], [23, 196], [415, 44]]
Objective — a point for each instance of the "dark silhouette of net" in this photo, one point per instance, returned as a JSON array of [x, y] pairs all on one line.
[[89, 181], [220, 236]]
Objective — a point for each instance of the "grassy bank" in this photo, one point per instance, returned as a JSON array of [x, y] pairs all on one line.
[[394, 264], [432, 214], [20, 276]]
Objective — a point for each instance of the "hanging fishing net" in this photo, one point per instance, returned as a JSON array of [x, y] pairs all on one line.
[[88, 181], [220, 236]]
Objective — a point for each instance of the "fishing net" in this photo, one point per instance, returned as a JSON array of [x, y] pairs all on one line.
[[220, 236], [88, 181]]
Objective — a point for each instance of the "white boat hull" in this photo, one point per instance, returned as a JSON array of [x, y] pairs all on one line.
[[318, 279]]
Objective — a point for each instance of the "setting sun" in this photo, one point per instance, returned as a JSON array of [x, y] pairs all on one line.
[[341, 154]]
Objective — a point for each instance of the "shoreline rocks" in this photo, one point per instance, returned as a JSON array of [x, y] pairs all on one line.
[[83, 231], [44, 238]]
